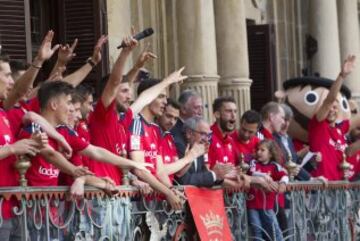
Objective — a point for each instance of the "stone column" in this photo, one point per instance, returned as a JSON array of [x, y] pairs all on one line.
[[323, 26], [197, 49], [119, 26], [232, 52], [349, 41]]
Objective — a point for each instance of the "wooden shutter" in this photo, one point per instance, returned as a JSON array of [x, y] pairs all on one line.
[[85, 20], [261, 64], [12, 29]]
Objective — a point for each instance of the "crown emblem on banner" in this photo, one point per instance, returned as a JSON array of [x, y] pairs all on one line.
[[213, 223]]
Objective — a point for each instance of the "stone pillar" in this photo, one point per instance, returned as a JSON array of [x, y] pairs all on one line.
[[232, 52], [349, 41], [197, 49], [119, 26], [323, 27]]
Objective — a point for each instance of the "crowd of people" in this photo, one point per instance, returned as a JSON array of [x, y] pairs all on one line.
[[155, 141]]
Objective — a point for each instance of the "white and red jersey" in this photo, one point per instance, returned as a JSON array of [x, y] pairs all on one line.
[[260, 199], [222, 148], [146, 137], [330, 142]]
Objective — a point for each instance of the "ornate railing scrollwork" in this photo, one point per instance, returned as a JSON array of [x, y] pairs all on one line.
[[317, 211]]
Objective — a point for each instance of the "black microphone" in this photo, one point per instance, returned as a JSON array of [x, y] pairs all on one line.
[[146, 33]]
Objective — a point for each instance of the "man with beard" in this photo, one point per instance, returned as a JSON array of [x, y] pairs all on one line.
[[222, 149], [245, 138]]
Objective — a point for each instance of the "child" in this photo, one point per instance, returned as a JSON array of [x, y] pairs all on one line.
[[261, 213]]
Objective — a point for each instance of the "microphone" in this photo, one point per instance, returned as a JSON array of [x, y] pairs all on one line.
[[146, 33]]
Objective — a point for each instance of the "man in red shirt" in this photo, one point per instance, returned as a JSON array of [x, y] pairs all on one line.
[[245, 138], [145, 136], [326, 136], [222, 149], [9, 148], [55, 104], [171, 162]]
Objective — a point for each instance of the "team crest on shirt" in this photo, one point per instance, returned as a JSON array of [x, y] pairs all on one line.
[[218, 145]]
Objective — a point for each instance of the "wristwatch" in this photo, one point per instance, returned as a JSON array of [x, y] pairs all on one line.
[[91, 62]]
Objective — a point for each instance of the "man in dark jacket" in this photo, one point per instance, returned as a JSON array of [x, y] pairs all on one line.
[[197, 174]]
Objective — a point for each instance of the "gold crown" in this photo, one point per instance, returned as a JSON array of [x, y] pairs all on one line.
[[213, 222]]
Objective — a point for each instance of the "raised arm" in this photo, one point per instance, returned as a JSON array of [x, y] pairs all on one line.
[[140, 62], [150, 94], [65, 55], [112, 86], [25, 82], [346, 69], [79, 75]]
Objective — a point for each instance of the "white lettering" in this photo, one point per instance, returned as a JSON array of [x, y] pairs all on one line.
[[50, 172]]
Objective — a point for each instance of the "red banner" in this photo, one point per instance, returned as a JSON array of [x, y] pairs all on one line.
[[208, 210]]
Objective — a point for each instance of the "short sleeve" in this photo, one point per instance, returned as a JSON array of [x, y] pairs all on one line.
[[75, 141]]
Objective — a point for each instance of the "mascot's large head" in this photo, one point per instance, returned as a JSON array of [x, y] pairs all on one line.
[[305, 95]]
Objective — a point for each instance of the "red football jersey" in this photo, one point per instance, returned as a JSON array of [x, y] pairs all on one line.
[[248, 149], [43, 173], [259, 199], [145, 136], [354, 160], [222, 148], [168, 149], [107, 131], [8, 174], [330, 141]]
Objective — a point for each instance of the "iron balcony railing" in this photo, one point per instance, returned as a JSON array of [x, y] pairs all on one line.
[[316, 212]]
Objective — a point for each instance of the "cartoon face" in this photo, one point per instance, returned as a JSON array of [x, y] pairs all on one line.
[[305, 100]]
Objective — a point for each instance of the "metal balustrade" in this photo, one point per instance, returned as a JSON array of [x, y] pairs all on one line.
[[316, 212]]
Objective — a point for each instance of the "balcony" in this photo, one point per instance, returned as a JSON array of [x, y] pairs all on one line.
[[316, 212]]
